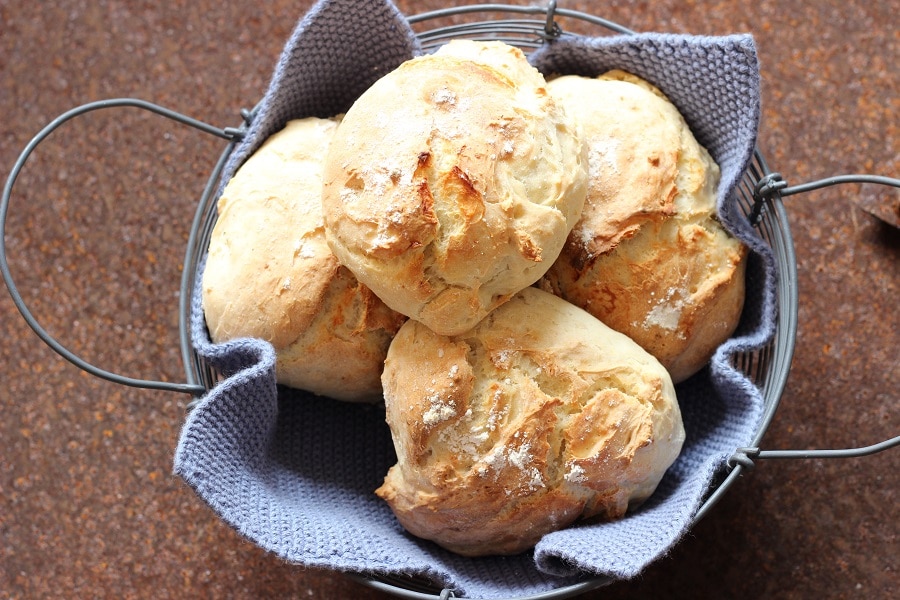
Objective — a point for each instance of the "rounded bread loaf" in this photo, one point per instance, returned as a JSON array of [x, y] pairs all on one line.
[[269, 273], [452, 183], [648, 256], [538, 416]]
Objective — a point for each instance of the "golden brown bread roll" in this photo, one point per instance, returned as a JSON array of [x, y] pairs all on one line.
[[538, 416], [452, 183], [269, 273], [648, 256]]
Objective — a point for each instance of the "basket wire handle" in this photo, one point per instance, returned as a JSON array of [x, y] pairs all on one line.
[[766, 188], [230, 134], [745, 456], [774, 183]]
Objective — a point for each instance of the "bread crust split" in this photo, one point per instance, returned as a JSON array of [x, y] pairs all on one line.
[[648, 256], [537, 417], [269, 273], [452, 183]]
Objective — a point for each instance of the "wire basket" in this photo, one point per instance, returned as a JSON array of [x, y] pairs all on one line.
[[759, 196]]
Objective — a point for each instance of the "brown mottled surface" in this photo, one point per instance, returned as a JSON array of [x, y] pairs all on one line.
[[88, 504]]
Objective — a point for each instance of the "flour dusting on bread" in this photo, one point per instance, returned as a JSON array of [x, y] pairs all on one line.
[[545, 416], [453, 182]]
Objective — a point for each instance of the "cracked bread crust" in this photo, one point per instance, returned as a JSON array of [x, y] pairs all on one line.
[[270, 274], [537, 417], [648, 256], [452, 183]]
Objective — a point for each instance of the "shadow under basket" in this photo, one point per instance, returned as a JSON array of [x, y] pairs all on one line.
[[758, 194]]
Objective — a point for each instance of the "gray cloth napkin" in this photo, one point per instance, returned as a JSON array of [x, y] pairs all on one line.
[[295, 473]]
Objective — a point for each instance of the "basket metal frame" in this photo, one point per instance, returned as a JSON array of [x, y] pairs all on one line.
[[759, 194]]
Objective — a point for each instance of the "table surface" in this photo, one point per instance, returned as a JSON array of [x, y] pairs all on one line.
[[96, 235]]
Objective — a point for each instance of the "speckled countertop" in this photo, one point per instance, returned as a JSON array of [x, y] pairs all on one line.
[[97, 232]]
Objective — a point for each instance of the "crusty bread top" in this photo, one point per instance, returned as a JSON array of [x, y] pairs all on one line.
[[270, 274], [648, 256], [536, 417], [633, 138], [452, 183], [269, 264]]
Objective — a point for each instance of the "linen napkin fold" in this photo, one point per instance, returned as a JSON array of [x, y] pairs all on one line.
[[296, 473]]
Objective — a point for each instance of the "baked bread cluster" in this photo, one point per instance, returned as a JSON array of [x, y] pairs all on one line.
[[527, 266]]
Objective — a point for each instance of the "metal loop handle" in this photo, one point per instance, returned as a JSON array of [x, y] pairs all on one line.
[[774, 183], [230, 134], [745, 456], [766, 188]]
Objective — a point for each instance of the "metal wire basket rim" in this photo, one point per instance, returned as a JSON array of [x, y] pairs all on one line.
[[550, 12], [393, 585], [787, 317]]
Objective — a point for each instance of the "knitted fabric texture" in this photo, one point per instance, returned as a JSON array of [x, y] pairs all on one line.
[[295, 473]]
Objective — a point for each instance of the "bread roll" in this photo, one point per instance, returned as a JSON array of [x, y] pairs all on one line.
[[648, 256], [538, 416], [269, 273], [452, 183]]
